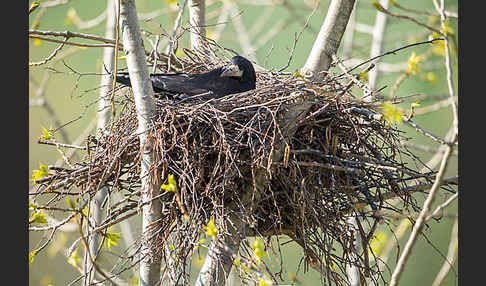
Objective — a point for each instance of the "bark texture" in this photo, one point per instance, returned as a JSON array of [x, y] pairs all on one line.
[[328, 39]]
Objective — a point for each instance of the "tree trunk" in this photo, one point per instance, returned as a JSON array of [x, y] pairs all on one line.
[[218, 262], [197, 19], [328, 39], [144, 102], [377, 43]]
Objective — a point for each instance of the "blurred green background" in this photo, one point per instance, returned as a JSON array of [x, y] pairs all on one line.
[[73, 99]]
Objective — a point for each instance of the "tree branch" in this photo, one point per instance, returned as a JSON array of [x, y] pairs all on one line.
[[328, 39], [197, 19]]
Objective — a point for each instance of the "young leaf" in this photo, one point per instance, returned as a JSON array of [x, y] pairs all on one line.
[[211, 229], [74, 258], [38, 217], [171, 186], [412, 65], [41, 173], [31, 256], [112, 238], [46, 135], [391, 113]]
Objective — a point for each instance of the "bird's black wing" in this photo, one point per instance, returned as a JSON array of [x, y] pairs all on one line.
[[170, 84], [212, 81], [179, 83]]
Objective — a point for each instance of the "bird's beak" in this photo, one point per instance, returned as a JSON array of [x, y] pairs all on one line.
[[232, 70]]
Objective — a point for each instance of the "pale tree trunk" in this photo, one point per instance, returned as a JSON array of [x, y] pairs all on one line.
[[144, 102], [351, 269], [197, 19], [328, 39], [377, 43], [103, 118], [218, 262]]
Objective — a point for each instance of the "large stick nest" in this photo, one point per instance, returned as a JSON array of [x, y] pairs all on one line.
[[291, 157]]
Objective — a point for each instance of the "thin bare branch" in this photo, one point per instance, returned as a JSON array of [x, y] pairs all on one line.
[[419, 223], [52, 55], [450, 83], [451, 255]]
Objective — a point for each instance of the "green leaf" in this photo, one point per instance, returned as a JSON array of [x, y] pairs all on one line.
[[31, 256], [171, 186], [38, 217], [71, 16], [41, 173], [112, 238], [391, 113], [46, 135], [34, 6], [211, 229], [378, 6], [172, 180], [74, 258]]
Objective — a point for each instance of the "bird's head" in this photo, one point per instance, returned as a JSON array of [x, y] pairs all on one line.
[[240, 68]]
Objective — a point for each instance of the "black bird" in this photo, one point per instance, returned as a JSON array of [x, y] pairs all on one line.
[[235, 77]]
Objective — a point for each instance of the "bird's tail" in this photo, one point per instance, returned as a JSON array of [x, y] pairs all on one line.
[[123, 78]]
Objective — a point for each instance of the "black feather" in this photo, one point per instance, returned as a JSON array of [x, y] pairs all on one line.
[[173, 85]]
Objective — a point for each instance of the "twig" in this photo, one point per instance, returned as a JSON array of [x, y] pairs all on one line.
[[172, 37], [424, 132], [72, 43], [80, 24], [366, 88], [434, 107], [62, 222], [410, 189], [448, 67], [53, 143], [436, 158], [419, 223], [296, 38], [68, 34], [115, 62], [395, 86], [451, 256], [378, 33], [383, 10], [391, 243], [328, 39], [441, 207], [53, 54], [392, 52], [53, 3], [425, 148], [222, 21]]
